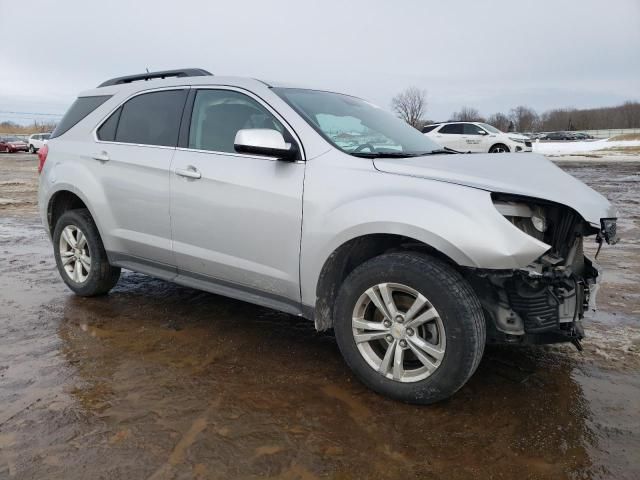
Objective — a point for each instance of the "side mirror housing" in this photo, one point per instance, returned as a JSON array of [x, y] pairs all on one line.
[[264, 141]]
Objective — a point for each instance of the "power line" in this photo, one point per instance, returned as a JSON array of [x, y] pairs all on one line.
[[31, 113]]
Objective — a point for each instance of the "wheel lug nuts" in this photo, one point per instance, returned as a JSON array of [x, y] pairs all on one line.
[[403, 343], [387, 323], [389, 338], [409, 331], [399, 319]]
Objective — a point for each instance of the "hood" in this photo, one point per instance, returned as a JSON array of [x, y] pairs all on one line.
[[524, 174], [516, 135]]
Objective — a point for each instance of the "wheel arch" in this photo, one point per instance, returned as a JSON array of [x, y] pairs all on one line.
[[352, 253], [63, 199]]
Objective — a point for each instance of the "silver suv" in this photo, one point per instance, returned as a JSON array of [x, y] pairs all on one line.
[[324, 206]]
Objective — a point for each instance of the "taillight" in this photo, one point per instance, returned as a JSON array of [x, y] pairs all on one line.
[[42, 156]]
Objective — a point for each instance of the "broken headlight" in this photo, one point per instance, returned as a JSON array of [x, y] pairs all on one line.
[[529, 218], [609, 230]]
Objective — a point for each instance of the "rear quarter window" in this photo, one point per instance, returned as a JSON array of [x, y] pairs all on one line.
[[82, 107]]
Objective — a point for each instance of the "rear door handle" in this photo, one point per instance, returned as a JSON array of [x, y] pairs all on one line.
[[101, 156], [190, 172]]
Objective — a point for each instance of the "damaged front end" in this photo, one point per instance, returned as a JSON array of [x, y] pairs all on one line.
[[545, 301]]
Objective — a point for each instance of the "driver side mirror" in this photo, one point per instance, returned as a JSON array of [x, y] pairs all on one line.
[[482, 132], [264, 141]]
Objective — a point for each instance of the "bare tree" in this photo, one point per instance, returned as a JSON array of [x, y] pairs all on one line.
[[467, 114], [410, 105], [500, 121], [525, 119]]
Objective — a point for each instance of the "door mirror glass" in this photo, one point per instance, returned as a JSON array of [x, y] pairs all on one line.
[[264, 141]]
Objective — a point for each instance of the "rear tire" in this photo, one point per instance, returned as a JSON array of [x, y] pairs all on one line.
[[80, 255], [438, 355], [499, 148]]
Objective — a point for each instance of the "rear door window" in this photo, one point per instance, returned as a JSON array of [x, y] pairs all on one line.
[[428, 128], [471, 129], [452, 129], [148, 119], [82, 107]]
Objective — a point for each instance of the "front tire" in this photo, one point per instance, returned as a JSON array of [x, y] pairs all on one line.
[[499, 148], [32, 149], [410, 327], [80, 255]]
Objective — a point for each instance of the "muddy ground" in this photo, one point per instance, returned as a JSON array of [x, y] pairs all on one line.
[[159, 381]]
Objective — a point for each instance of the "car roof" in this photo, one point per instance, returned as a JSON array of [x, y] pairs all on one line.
[[140, 85], [444, 123], [132, 84]]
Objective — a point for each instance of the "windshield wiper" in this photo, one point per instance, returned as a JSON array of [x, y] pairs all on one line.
[[403, 154], [388, 154], [442, 150]]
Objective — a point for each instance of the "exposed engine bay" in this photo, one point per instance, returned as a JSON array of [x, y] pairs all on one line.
[[546, 301]]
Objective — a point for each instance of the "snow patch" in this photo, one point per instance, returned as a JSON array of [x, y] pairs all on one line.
[[567, 148]]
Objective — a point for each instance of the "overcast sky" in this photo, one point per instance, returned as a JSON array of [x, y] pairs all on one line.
[[491, 55]]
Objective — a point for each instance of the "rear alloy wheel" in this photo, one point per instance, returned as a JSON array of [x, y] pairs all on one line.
[[80, 255], [409, 326], [499, 148], [75, 254]]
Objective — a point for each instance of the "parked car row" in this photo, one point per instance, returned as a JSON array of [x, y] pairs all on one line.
[[14, 144], [565, 136]]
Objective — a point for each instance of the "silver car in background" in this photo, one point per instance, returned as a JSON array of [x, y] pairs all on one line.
[[324, 206]]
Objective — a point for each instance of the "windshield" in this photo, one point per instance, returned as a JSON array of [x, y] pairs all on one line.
[[486, 126], [12, 139], [355, 126]]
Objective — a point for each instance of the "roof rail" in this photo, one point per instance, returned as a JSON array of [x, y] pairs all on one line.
[[185, 72]]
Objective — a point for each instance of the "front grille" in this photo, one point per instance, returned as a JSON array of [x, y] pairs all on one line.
[[527, 143], [537, 308]]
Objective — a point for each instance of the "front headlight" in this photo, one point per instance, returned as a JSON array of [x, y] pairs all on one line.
[[531, 219], [539, 219], [517, 140]]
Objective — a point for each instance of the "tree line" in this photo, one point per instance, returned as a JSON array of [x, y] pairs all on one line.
[[35, 127], [411, 106]]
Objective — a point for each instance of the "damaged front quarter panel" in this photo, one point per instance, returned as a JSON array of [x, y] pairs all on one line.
[[545, 301]]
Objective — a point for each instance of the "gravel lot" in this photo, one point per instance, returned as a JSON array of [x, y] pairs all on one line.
[[164, 382]]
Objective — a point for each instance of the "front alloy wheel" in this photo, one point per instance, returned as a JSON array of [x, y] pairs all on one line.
[[409, 326], [398, 332]]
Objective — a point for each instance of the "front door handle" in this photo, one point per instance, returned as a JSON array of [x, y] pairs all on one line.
[[190, 172], [101, 156]]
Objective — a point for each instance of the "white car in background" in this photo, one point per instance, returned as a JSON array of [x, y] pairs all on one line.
[[476, 137], [37, 140]]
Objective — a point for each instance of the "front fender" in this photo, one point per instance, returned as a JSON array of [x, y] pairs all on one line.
[[460, 222]]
